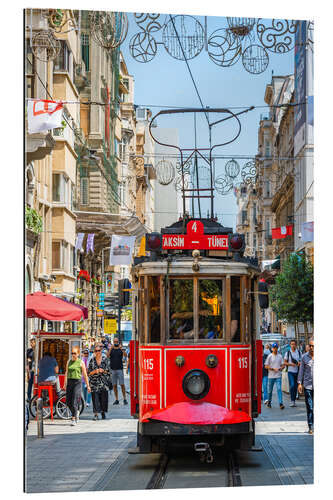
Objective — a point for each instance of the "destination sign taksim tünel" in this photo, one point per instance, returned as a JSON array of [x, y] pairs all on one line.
[[194, 239]]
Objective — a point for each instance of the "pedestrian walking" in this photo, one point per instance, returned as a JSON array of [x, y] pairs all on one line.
[[292, 359], [274, 365], [86, 394], [30, 367], [99, 376], [116, 355], [75, 369], [305, 380], [266, 353]]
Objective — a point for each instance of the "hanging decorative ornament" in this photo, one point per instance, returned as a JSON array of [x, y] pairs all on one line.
[[232, 169], [223, 185], [143, 47], [224, 48], [249, 172], [150, 23], [255, 59], [241, 26], [188, 184], [57, 18], [277, 35], [203, 173], [183, 35], [45, 46], [165, 172], [109, 29], [187, 165]]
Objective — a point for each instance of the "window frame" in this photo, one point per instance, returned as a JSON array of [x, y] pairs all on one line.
[[196, 340]]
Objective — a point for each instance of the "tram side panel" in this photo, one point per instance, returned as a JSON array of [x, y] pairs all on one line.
[[134, 376], [150, 379], [161, 380], [240, 379], [259, 357]]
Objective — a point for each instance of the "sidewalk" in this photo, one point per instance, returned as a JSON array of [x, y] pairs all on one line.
[[76, 458], [84, 457], [283, 435]]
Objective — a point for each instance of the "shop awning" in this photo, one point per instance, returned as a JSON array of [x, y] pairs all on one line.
[[46, 306], [83, 309]]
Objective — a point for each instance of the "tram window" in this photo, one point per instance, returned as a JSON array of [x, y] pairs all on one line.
[[141, 315], [181, 324], [210, 309], [154, 315], [235, 309]]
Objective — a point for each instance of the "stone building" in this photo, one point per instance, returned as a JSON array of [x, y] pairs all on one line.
[[105, 202], [145, 169], [51, 159]]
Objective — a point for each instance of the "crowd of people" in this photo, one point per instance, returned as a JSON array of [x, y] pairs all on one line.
[[95, 375], [299, 367], [101, 370]]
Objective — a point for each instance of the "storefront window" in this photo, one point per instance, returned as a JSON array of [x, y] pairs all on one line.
[[181, 324], [210, 309]]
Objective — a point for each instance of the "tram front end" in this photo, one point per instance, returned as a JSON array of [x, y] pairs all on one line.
[[195, 358]]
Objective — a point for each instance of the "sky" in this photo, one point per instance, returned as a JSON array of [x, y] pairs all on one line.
[[166, 81]]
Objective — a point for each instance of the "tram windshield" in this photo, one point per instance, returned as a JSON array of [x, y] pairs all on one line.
[[181, 324], [210, 309], [196, 309]]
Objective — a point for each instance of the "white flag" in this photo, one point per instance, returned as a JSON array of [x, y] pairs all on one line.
[[44, 115], [307, 231], [121, 250]]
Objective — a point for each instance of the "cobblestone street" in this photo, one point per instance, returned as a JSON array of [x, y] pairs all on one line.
[[101, 447]]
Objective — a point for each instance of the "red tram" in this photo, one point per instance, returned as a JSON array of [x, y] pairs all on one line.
[[196, 360]]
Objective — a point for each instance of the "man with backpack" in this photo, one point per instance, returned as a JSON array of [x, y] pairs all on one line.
[[292, 360]]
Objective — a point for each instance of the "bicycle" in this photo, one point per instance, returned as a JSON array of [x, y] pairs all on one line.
[[60, 407]]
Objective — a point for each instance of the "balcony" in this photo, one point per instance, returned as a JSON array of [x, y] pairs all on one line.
[[37, 146]]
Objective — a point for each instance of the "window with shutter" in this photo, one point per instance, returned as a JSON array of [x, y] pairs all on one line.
[[85, 50], [56, 261], [84, 186]]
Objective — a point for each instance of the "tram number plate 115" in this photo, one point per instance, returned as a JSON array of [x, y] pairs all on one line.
[[148, 364], [242, 362]]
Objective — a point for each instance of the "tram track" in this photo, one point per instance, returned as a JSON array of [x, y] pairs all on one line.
[[230, 468]]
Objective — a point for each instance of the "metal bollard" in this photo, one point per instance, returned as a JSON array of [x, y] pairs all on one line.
[[40, 423]]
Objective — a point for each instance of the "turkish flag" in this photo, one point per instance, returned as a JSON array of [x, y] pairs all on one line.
[[281, 232], [44, 115]]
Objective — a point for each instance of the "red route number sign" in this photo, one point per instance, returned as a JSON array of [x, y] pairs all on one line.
[[194, 239]]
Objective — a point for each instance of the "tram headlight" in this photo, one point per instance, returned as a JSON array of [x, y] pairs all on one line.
[[196, 384]]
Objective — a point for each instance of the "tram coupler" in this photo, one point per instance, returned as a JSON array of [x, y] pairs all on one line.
[[205, 452]]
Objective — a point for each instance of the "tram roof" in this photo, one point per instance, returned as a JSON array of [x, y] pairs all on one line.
[[183, 265]]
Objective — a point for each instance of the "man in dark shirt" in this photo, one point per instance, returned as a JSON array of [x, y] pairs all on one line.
[[116, 354], [305, 380], [30, 367]]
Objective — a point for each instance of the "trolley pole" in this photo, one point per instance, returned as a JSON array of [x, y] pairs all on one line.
[[40, 423]]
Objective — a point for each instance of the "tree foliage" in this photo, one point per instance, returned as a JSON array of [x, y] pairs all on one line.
[[291, 297]]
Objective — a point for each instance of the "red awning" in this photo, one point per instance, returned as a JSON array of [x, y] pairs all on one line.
[[83, 309], [46, 306]]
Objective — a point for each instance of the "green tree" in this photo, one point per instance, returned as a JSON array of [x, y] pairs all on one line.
[[291, 297]]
